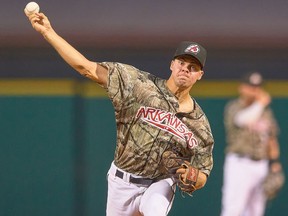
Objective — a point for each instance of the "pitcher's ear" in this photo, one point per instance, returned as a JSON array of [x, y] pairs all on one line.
[[202, 73], [172, 61]]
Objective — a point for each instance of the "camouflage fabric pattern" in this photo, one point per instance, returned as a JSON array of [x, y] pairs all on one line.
[[249, 141], [273, 183], [148, 124]]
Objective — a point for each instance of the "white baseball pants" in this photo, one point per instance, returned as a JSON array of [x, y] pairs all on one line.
[[128, 199], [242, 193]]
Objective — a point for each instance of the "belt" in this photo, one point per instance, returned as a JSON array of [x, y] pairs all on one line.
[[140, 181], [249, 157]]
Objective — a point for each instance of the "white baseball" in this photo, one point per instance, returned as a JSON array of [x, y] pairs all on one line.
[[32, 7]]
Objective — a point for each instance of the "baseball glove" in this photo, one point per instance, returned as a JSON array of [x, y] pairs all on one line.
[[273, 183], [184, 175]]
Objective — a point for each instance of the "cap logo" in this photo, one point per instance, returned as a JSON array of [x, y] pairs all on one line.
[[193, 48], [255, 79]]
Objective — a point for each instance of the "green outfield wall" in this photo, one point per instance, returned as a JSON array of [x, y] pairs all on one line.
[[58, 140]]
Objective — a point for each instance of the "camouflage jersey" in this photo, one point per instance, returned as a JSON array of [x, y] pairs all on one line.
[[148, 123], [249, 141]]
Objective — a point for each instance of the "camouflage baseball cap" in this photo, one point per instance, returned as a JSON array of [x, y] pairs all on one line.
[[193, 49], [253, 78]]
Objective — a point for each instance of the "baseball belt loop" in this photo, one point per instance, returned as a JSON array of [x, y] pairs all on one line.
[[123, 175]]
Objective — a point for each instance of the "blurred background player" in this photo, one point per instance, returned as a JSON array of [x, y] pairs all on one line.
[[252, 149]]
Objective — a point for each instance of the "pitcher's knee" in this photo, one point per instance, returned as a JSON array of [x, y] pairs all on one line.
[[156, 205]]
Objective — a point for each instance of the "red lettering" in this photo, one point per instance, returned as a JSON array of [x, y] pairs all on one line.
[[158, 115], [141, 112], [169, 122], [175, 122]]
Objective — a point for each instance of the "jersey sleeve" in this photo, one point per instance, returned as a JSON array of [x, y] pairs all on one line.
[[202, 155], [121, 81], [275, 130]]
